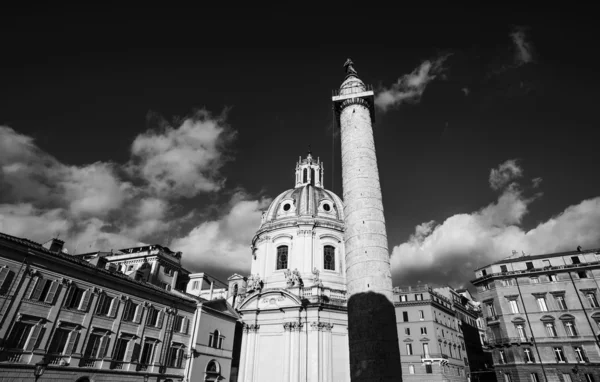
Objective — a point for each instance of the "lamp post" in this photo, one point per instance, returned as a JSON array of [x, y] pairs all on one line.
[[39, 370]]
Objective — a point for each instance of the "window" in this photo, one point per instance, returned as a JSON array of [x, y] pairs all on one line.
[[514, 306], [546, 263], [168, 270], [591, 297], [215, 340], [282, 257], [428, 369], [529, 265], [155, 317], [107, 306], [328, 258], [147, 353], [520, 331], [541, 301], [533, 377], [63, 342], [426, 349], [195, 285], [501, 357], [490, 308], [23, 336], [423, 330], [575, 260], [421, 315], [419, 297], [411, 369], [528, 355], [567, 377], [559, 355], [121, 349], [405, 316], [503, 268], [560, 302], [175, 356], [552, 277], [507, 377], [407, 331], [535, 280], [404, 297], [570, 329], [589, 377], [97, 346], [579, 354], [409, 349], [181, 324], [77, 298], [550, 329], [132, 312], [130, 268], [6, 277], [582, 274], [44, 290]]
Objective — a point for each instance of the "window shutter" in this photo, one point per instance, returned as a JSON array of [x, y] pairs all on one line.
[[135, 355], [3, 277], [52, 292], [126, 310], [114, 305], [69, 296], [138, 314], [101, 298], [104, 341], [129, 351], [159, 319], [85, 300], [39, 287], [33, 337], [185, 325], [71, 342]]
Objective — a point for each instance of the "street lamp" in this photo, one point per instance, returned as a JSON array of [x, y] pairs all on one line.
[[39, 370]]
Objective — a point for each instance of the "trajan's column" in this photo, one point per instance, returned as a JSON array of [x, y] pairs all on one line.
[[372, 331]]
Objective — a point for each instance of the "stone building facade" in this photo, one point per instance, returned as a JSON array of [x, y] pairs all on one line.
[[71, 319], [543, 316], [293, 303], [432, 346]]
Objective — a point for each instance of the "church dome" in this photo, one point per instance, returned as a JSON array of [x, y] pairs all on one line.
[[308, 199]]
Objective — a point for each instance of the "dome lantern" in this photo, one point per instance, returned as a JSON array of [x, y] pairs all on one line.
[[309, 171]]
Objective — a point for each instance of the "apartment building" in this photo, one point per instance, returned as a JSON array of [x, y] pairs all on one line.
[[432, 346], [543, 316], [64, 318]]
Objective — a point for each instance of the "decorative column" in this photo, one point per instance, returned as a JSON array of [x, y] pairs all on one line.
[[287, 328], [251, 330], [243, 351], [372, 332]]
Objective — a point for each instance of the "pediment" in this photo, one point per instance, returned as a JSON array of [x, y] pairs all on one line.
[[424, 339], [408, 340], [273, 299]]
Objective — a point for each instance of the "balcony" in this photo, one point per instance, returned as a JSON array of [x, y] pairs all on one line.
[[87, 362], [508, 341], [440, 358], [15, 356], [117, 365], [495, 317]]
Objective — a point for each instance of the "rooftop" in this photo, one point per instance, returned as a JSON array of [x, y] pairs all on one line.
[[543, 256]]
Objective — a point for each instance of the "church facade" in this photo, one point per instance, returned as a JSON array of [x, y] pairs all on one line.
[[293, 306]]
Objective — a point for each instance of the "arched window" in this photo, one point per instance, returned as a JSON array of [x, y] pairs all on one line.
[[215, 340], [312, 176], [282, 257], [329, 258], [304, 176], [212, 367]]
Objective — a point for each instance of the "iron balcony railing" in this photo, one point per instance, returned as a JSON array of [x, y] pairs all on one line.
[[507, 341]]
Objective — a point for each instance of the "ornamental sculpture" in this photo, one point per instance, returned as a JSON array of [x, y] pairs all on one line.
[[293, 278], [293, 326], [254, 282], [321, 326], [316, 280], [251, 327]]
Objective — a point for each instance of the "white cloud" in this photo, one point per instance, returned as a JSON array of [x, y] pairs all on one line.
[[449, 252], [504, 174], [107, 205], [224, 243], [183, 161], [523, 48], [410, 87]]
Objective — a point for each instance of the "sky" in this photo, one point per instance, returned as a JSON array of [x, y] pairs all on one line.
[[176, 126]]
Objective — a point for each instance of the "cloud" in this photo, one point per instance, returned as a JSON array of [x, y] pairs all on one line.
[[106, 205], [523, 48], [449, 252], [410, 87], [535, 182], [505, 173], [466, 91], [183, 161], [224, 243]]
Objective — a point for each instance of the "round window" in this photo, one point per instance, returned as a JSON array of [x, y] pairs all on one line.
[[326, 207], [286, 207]]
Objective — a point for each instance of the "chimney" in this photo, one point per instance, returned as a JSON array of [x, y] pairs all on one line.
[[54, 245]]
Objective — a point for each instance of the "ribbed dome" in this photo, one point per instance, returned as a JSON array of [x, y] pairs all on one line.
[[305, 201]]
